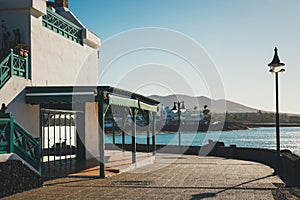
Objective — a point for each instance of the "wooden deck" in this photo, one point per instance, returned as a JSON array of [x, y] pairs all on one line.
[[116, 162]]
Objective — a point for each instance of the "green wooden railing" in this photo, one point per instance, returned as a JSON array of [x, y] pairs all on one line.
[[15, 139], [13, 65], [62, 26]]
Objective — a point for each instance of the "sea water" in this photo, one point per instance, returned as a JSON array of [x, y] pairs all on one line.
[[253, 138]]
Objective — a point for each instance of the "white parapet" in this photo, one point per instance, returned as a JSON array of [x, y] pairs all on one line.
[[39, 6], [91, 39]]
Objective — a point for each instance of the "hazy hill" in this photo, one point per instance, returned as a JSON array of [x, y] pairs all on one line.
[[216, 106]]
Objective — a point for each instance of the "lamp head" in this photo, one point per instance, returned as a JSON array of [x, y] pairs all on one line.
[[174, 109], [182, 109], [276, 65]]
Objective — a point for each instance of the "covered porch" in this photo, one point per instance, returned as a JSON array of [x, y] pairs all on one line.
[[93, 105]]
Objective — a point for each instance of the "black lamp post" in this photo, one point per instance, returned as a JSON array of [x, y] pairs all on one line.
[[180, 108], [276, 67]]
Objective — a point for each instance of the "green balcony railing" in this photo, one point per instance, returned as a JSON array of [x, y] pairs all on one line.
[[15, 139], [62, 26], [13, 65]]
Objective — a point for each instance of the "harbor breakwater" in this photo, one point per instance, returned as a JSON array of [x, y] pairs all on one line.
[[286, 166]]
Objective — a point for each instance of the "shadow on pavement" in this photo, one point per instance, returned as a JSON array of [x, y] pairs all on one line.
[[210, 195]]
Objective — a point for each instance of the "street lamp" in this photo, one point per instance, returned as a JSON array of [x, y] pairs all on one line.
[[180, 108], [276, 67]]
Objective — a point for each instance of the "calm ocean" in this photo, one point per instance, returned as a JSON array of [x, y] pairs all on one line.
[[255, 138]]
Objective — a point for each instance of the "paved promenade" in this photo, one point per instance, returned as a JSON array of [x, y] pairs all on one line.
[[171, 177]]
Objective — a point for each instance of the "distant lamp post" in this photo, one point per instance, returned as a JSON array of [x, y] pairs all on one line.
[[276, 67], [180, 108]]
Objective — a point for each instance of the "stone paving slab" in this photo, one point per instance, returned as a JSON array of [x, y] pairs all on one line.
[[170, 177]]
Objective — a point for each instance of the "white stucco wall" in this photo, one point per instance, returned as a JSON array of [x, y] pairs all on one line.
[[12, 89], [54, 61], [58, 61], [91, 130], [26, 115]]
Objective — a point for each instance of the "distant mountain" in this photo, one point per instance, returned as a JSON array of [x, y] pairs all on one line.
[[217, 106]]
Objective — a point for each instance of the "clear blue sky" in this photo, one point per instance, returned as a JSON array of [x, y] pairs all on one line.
[[239, 37]]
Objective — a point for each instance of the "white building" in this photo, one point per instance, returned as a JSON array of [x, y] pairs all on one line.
[[49, 80]]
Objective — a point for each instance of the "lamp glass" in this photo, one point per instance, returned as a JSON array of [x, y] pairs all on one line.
[[275, 68], [182, 110], [174, 109]]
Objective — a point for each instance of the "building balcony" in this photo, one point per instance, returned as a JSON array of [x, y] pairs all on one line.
[[13, 65], [62, 26]]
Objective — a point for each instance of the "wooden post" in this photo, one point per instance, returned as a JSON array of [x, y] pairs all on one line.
[[11, 134], [113, 131], [153, 134], [123, 140], [26, 68], [148, 137], [101, 134], [133, 136], [123, 131], [41, 141], [11, 62]]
